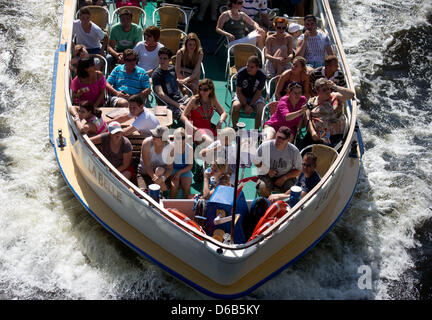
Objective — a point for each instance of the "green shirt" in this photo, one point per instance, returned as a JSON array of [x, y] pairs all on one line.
[[126, 40]]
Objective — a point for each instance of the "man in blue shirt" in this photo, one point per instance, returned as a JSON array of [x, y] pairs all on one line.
[[307, 179], [126, 80]]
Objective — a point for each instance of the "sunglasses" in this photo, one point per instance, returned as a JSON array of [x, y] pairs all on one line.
[[281, 28], [130, 59], [204, 89], [239, 2], [307, 165]]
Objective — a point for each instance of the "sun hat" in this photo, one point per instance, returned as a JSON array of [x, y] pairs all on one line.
[[294, 27], [114, 127], [159, 131]]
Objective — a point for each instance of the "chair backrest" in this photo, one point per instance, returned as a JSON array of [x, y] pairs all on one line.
[[99, 16], [172, 38], [241, 53], [190, 11], [103, 65], [169, 17], [268, 110], [138, 15], [325, 157]]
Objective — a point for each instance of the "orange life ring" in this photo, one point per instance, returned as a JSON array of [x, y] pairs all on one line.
[[186, 219], [279, 208], [265, 225]]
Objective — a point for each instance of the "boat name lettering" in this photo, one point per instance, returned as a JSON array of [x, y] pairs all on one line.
[[104, 182]]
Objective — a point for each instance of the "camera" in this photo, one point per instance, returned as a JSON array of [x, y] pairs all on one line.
[[309, 105]]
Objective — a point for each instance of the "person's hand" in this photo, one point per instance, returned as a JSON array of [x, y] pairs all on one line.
[[272, 198], [248, 109], [306, 34], [303, 109], [272, 173], [230, 37], [182, 107], [280, 181], [207, 174], [123, 95], [120, 58], [219, 125]]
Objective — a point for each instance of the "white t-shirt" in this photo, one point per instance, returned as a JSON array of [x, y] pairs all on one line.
[[316, 47], [91, 40], [148, 60], [145, 122]]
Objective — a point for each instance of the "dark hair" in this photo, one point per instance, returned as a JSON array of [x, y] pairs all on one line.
[[83, 64], [255, 60], [136, 98], [165, 50], [153, 31], [230, 3], [90, 107], [131, 52], [329, 59], [310, 16], [311, 156], [84, 11]]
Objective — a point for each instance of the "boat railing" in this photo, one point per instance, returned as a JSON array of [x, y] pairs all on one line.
[[352, 115]]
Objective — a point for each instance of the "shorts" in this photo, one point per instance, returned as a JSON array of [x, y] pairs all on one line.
[[131, 170], [260, 100], [269, 183], [176, 111], [187, 174], [269, 68]]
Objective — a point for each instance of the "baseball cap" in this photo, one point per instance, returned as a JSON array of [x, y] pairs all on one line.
[[294, 27], [159, 131], [114, 127]]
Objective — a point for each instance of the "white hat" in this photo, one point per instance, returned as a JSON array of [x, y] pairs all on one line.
[[294, 27], [159, 131], [114, 127]]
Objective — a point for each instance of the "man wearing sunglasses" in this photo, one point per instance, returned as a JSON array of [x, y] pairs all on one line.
[[307, 179], [126, 80], [279, 163]]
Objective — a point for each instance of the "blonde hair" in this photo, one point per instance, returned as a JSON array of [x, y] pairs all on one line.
[[186, 61], [210, 84]]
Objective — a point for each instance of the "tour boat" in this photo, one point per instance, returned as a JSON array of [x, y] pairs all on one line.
[[156, 230]]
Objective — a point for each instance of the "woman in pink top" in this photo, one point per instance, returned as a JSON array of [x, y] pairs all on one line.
[[290, 109], [136, 3], [89, 84]]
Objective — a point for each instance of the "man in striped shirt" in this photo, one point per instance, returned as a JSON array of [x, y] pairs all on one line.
[[330, 71], [314, 44], [257, 10], [126, 80]]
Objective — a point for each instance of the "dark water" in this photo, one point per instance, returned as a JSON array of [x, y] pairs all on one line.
[[50, 248]]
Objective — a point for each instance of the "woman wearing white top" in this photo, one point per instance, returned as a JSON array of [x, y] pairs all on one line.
[[148, 50]]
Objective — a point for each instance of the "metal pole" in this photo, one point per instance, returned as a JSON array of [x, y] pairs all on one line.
[[240, 125]]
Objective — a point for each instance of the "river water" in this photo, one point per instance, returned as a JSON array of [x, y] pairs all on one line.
[[50, 248]]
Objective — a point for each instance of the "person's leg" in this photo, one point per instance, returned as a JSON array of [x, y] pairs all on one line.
[[264, 186], [259, 107], [202, 9], [235, 112], [186, 183]]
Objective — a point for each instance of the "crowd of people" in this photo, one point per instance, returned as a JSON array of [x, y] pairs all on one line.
[[310, 91]]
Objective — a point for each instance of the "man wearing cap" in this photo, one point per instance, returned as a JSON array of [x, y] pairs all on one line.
[[116, 148], [145, 120], [124, 35], [156, 160], [126, 80], [307, 179], [279, 163], [314, 44]]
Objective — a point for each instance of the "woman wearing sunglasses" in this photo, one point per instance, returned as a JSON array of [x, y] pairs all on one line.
[[289, 112], [326, 122], [278, 49], [232, 23], [199, 112]]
